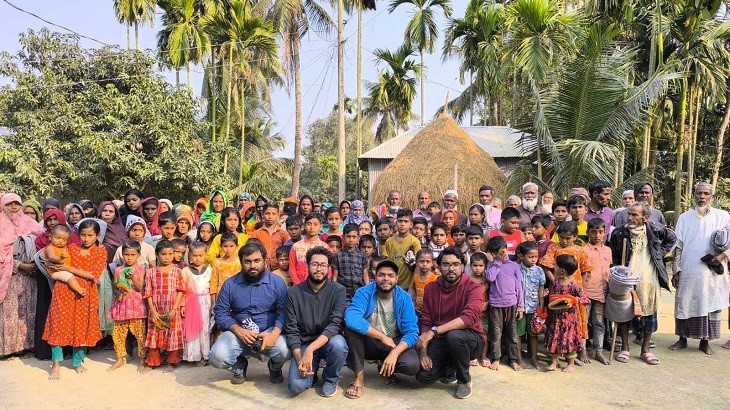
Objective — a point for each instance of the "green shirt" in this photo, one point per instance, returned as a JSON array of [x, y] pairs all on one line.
[[383, 318], [396, 249]]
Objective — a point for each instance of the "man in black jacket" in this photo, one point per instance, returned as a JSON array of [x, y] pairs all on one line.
[[646, 244], [314, 320]]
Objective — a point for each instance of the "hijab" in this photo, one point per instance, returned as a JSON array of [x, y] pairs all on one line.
[[116, 235], [210, 214], [136, 220], [12, 225], [36, 207], [44, 239], [68, 213], [201, 201], [168, 203], [250, 224], [351, 218], [86, 204], [212, 228], [53, 202], [153, 226], [184, 216], [259, 214]]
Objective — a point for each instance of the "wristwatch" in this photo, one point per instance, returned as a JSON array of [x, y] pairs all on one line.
[[435, 331]]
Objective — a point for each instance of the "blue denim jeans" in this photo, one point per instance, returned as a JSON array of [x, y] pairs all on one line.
[[334, 353], [228, 348]]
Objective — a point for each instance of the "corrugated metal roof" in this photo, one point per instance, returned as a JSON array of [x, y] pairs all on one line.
[[499, 142]]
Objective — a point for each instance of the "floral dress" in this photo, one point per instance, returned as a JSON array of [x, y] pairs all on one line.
[[73, 320], [563, 334]]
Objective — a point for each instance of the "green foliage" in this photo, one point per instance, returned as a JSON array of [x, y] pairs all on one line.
[[319, 174], [91, 123]]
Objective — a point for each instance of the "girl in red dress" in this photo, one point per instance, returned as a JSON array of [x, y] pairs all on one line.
[[164, 291], [563, 334], [73, 320]]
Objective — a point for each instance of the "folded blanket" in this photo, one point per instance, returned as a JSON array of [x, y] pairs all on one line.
[[561, 302]]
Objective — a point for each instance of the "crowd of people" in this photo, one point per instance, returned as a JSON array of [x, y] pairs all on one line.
[[429, 293]]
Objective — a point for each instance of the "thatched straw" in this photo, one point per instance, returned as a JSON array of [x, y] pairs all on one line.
[[427, 164]]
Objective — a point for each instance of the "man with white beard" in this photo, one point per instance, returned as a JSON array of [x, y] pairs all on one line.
[[701, 293], [529, 207], [547, 201]]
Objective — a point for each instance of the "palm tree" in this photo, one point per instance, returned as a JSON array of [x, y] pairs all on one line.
[[134, 13], [541, 35], [477, 40], [247, 44], [391, 97], [590, 117], [182, 40], [422, 31], [293, 19]]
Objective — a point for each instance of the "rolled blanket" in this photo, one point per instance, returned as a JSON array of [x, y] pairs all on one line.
[[619, 302], [561, 302]]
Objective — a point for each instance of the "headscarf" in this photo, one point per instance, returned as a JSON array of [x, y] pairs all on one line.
[[357, 219], [187, 216], [136, 220], [154, 225], [85, 203], [68, 212], [260, 215], [449, 238], [116, 235], [166, 202], [36, 207], [102, 228], [212, 228], [250, 224], [53, 202], [185, 208], [44, 239], [299, 207], [244, 195], [12, 225], [210, 214], [201, 201]]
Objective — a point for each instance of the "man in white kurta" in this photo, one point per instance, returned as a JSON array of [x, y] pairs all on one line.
[[701, 293]]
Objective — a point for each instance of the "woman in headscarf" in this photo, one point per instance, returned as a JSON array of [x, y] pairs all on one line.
[[51, 203], [74, 215], [116, 235], [248, 216], [165, 205], [200, 206], [132, 203], [150, 212], [32, 208], [357, 213], [184, 227], [218, 202], [17, 285], [306, 206], [345, 208], [88, 208]]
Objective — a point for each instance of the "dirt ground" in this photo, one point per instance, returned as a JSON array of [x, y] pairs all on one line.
[[684, 379]]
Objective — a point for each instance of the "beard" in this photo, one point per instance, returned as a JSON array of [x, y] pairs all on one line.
[[529, 204], [379, 289], [702, 209], [316, 281], [253, 275]]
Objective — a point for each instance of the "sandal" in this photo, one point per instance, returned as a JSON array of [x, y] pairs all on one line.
[[623, 357], [649, 358], [353, 391], [392, 380]]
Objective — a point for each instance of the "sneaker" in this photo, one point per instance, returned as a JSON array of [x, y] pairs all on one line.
[[329, 389], [275, 375], [239, 371], [463, 390], [449, 378]]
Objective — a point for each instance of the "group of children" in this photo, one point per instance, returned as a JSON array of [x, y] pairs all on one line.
[[535, 277]]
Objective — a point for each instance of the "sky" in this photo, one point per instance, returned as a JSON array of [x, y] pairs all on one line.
[[95, 19]]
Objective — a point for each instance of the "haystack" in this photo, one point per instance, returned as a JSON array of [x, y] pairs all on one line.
[[427, 164]]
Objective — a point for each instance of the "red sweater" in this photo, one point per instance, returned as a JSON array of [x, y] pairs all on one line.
[[442, 305]]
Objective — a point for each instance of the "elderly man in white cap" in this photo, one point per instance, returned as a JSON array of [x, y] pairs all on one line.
[[529, 207], [450, 201]]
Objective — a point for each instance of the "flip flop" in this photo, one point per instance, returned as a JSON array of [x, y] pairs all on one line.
[[623, 357], [649, 358], [356, 394]]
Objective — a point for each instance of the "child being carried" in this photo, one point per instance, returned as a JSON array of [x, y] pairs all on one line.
[[57, 253]]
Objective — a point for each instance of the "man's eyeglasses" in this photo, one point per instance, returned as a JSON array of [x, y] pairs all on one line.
[[447, 266], [317, 265]]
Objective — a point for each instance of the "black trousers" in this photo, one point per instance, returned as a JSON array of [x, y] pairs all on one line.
[[364, 347], [453, 351], [502, 321]]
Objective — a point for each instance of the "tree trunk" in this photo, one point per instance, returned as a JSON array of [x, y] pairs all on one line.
[[298, 126], [243, 134], [680, 151], [358, 118], [136, 35], [423, 91], [177, 76], [341, 102], [228, 107], [213, 103], [471, 98], [190, 83], [129, 39], [495, 112], [721, 140]]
